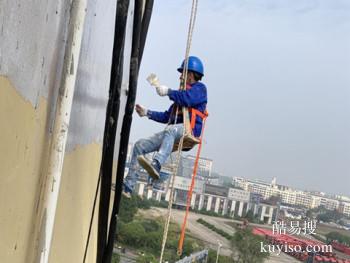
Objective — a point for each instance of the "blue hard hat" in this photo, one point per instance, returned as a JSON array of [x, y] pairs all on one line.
[[194, 64]]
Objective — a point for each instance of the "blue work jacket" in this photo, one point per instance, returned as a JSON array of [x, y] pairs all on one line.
[[194, 97]]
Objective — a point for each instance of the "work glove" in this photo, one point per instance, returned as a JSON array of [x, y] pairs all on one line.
[[162, 90], [153, 80], [141, 111]]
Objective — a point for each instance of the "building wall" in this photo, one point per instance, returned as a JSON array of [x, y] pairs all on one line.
[[23, 140], [345, 208], [31, 57]]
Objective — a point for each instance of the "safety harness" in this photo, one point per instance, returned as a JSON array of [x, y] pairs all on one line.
[[189, 139]]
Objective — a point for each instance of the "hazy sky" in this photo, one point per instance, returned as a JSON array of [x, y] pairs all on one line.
[[278, 78]]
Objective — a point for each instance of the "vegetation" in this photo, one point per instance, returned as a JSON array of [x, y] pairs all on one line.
[[247, 247], [329, 216], [146, 258], [146, 235], [252, 218], [244, 242], [325, 215], [215, 229], [222, 259], [338, 237], [115, 258]]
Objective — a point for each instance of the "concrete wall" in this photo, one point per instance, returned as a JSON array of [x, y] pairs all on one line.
[[32, 46]]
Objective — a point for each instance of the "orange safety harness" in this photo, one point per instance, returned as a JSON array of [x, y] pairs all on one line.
[[194, 113]]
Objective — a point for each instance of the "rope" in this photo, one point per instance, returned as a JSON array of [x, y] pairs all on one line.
[[182, 87]]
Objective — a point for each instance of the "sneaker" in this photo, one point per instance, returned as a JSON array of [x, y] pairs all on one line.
[[152, 168], [127, 192]]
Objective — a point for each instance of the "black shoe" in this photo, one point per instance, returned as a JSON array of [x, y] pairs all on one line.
[[152, 168]]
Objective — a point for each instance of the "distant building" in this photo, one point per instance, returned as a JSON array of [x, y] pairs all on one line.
[[238, 202], [267, 212], [218, 199], [344, 208], [290, 196], [245, 195], [204, 169]]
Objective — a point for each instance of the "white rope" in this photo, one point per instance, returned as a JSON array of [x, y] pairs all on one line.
[[182, 87]]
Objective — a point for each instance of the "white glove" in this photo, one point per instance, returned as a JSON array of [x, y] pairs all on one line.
[[162, 90], [141, 111], [153, 80]]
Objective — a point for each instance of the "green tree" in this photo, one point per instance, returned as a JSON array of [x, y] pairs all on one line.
[[338, 237], [150, 225], [133, 234], [222, 259], [329, 216], [153, 241], [115, 258], [128, 209], [248, 247]]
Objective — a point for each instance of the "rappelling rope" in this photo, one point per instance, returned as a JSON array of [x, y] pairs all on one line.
[[182, 87]]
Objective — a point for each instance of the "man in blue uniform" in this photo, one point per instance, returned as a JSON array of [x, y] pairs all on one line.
[[195, 97]]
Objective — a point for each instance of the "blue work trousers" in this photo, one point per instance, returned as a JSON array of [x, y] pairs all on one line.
[[162, 142]]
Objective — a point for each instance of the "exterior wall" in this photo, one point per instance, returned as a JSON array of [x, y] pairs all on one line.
[[31, 57], [345, 208], [75, 206], [23, 140]]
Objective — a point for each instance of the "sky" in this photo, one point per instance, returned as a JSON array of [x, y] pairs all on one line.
[[278, 79]]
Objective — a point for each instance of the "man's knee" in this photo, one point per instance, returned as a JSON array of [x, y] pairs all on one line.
[[171, 130], [139, 146]]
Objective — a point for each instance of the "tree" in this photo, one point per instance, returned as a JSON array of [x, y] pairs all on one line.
[[222, 259], [338, 237], [132, 234], [128, 209], [329, 216], [247, 247], [146, 258], [115, 258]]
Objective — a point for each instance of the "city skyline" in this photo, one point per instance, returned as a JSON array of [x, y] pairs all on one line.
[[278, 86], [206, 165]]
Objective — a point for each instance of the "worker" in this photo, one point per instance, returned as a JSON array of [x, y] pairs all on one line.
[[195, 96]]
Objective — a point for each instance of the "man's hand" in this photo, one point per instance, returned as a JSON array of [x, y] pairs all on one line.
[[141, 111], [153, 80], [162, 90]]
